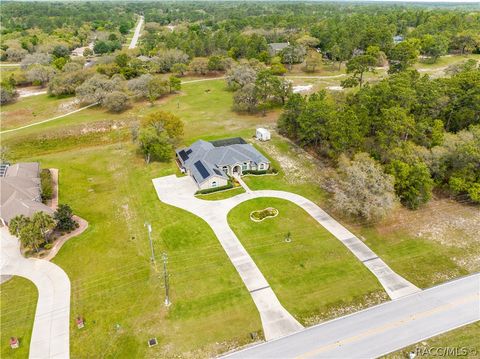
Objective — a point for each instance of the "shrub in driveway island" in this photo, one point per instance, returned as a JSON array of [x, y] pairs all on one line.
[[258, 216]]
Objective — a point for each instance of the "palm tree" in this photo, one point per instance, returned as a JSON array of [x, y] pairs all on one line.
[[43, 223], [17, 223]]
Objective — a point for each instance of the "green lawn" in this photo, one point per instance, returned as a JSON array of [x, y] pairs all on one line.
[[113, 282], [112, 279], [464, 338], [18, 300], [215, 196], [445, 61], [423, 262], [314, 275]]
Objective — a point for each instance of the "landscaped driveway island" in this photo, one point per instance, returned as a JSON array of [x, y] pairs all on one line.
[[276, 321]]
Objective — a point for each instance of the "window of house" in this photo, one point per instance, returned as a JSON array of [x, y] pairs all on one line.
[[245, 166], [260, 166], [214, 184], [225, 169]]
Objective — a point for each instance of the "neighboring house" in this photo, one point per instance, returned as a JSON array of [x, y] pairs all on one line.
[[276, 47], [397, 39], [20, 191], [144, 58], [212, 163]]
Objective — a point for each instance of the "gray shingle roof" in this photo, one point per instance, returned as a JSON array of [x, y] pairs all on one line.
[[204, 155], [20, 191], [278, 46]]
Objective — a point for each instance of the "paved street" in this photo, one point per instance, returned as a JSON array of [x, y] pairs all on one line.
[[381, 329], [136, 34], [50, 334]]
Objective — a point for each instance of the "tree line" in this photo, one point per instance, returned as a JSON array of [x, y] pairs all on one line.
[[423, 132]]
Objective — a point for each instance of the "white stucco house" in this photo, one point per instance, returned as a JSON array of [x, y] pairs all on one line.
[[210, 164]]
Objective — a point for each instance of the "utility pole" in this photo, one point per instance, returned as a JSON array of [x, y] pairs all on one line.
[[166, 279], [149, 228]]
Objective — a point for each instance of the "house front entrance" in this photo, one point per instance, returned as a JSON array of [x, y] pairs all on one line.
[[237, 170]]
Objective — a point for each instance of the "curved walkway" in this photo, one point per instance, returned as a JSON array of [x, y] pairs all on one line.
[[50, 334], [276, 321]]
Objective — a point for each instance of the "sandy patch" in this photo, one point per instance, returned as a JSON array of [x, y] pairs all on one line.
[[298, 165]]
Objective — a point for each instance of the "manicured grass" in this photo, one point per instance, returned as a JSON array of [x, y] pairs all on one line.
[[215, 196], [18, 300], [113, 280], [462, 338], [314, 274], [423, 262]]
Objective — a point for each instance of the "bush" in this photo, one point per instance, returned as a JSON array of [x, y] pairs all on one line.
[[8, 94], [46, 184], [264, 213], [64, 217], [215, 189], [260, 172], [116, 101]]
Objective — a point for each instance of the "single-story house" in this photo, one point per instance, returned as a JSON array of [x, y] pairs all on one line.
[[212, 163], [275, 48], [20, 191]]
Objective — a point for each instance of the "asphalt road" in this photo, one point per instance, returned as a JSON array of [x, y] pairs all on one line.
[[136, 35], [381, 329]]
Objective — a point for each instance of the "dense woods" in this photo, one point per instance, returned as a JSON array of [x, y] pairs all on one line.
[[422, 131]]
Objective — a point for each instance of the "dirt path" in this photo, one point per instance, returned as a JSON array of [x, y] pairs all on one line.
[[27, 92], [50, 119]]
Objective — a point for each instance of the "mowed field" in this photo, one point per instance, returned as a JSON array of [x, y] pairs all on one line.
[[120, 293], [314, 276]]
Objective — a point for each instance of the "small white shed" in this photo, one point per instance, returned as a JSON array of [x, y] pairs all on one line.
[[262, 134]]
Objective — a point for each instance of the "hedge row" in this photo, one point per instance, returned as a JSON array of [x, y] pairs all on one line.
[[260, 172], [46, 184], [215, 189]]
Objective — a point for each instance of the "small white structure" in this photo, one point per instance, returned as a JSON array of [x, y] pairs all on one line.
[[301, 88], [262, 134]]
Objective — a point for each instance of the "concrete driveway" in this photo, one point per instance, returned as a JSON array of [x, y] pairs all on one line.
[[50, 334], [277, 322]]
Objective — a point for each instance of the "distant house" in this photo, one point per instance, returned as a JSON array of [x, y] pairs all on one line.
[[20, 191], [276, 47], [212, 163], [398, 39], [144, 58], [262, 134]]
